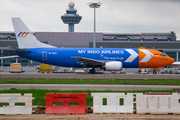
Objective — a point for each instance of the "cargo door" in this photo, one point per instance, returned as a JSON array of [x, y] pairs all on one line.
[[44, 55]]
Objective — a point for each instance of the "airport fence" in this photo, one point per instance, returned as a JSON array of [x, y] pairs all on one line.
[[74, 103]]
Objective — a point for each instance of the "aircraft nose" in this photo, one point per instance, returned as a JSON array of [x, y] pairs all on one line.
[[171, 60]]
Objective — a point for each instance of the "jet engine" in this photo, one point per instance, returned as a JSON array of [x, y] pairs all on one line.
[[112, 66]]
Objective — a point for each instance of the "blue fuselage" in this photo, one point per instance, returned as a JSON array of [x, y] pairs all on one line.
[[65, 56]]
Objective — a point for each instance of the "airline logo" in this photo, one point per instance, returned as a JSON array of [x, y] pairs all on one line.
[[23, 34]]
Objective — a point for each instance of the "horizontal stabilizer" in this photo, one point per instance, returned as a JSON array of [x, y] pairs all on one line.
[[5, 57], [18, 49]]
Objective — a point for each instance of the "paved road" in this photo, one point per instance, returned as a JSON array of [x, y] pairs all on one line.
[[87, 87], [82, 76]]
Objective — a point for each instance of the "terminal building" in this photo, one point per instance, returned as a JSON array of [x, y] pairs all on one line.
[[158, 41]]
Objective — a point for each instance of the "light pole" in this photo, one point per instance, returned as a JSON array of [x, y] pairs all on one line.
[[94, 5]]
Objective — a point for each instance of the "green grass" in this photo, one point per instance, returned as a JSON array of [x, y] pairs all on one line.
[[89, 81], [40, 94]]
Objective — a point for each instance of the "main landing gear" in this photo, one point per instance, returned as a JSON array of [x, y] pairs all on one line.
[[92, 71], [154, 72]]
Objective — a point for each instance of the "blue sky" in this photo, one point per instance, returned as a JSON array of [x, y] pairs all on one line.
[[115, 16]]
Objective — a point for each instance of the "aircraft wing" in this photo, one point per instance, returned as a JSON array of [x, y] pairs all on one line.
[[18, 49], [175, 65], [5, 57], [89, 62]]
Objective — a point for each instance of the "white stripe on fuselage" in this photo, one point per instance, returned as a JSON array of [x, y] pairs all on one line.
[[132, 56], [148, 56]]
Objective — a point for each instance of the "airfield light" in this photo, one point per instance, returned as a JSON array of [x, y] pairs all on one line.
[[94, 5]]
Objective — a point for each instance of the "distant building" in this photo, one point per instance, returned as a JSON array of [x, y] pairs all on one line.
[[84, 39], [136, 36]]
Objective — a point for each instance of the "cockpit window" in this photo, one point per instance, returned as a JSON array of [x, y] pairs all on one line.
[[163, 55]]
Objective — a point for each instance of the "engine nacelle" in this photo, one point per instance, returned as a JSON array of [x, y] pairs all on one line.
[[113, 66]]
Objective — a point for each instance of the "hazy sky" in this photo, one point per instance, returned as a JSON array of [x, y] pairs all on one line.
[[119, 16]]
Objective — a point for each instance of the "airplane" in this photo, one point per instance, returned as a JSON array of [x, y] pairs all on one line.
[[175, 65], [110, 59]]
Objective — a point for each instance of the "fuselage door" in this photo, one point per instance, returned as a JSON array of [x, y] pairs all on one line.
[[44, 55]]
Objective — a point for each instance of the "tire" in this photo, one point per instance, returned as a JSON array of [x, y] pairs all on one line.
[[92, 71], [154, 72]]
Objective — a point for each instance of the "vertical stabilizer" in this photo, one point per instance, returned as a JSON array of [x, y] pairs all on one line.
[[25, 37]]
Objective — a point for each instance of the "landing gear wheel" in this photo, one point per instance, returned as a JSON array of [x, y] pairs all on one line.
[[92, 71], [154, 72]]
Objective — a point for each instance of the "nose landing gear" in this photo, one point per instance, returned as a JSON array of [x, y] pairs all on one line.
[[154, 72]]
